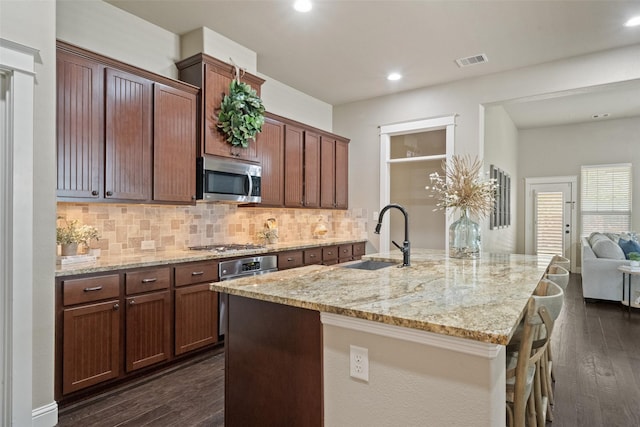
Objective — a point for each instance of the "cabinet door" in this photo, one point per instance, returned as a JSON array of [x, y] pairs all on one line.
[[79, 125], [174, 145], [128, 136], [196, 317], [271, 147], [327, 172], [294, 166], [311, 169], [91, 345], [148, 329], [215, 87], [342, 174]]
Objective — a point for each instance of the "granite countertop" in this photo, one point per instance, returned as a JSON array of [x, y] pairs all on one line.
[[159, 258], [479, 299]]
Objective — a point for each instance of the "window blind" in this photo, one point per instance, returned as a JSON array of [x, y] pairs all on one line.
[[549, 219], [605, 203]]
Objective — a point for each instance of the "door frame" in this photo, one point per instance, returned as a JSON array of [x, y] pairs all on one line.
[[529, 203], [417, 126]]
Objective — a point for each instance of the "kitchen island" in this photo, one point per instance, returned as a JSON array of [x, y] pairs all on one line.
[[435, 334]]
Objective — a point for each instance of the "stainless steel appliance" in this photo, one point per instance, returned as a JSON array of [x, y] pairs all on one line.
[[237, 268], [228, 181]]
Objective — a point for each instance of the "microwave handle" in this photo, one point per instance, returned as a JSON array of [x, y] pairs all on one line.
[[250, 184]]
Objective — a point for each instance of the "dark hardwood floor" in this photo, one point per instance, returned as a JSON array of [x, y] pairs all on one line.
[[596, 351], [596, 360], [192, 395]]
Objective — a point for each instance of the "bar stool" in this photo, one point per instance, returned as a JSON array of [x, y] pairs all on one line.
[[559, 275], [522, 359], [548, 299], [562, 262]]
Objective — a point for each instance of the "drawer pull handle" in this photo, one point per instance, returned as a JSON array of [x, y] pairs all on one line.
[[149, 280], [116, 307], [197, 273], [289, 259], [95, 288], [312, 256]]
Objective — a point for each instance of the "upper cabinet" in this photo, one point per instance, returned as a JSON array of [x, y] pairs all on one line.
[[214, 77], [123, 134], [334, 173], [270, 145]]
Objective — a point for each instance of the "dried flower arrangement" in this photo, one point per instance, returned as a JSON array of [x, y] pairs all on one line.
[[463, 187]]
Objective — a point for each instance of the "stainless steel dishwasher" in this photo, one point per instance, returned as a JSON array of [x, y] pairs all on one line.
[[236, 269]]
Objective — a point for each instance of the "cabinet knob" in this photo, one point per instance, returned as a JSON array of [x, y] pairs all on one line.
[[301, 202], [289, 259], [132, 302], [116, 307], [94, 193], [312, 256], [109, 193]]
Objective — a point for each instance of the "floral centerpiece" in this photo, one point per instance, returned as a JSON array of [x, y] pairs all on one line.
[[463, 188]]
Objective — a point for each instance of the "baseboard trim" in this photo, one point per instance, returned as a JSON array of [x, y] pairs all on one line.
[[45, 416]]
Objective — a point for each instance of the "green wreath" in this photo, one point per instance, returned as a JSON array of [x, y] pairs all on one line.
[[241, 114]]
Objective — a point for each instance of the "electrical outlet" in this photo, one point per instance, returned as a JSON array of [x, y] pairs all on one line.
[[147, 245], [359, 363]]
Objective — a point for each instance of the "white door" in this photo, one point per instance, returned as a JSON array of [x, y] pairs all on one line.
[[552, 213]]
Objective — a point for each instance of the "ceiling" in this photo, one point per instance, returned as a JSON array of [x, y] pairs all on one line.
[[342, 50]]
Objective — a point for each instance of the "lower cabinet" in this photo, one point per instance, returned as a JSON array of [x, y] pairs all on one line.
[[290, 259], [196, 307], [148, 329], [91, 345]]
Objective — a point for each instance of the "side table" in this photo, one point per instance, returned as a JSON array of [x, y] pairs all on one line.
[[627, 272]]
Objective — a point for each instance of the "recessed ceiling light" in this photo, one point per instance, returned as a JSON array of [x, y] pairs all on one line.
[[394, 76], [633, 22], [302, 5]]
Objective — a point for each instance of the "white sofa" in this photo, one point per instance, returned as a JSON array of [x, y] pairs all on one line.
[[601, 278]]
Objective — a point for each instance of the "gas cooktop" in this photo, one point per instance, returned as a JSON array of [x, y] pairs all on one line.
[[226, 247]]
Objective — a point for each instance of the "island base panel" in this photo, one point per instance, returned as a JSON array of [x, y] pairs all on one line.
[[273, 365]]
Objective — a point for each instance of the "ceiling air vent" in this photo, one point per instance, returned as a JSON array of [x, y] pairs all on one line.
[[472, 60]]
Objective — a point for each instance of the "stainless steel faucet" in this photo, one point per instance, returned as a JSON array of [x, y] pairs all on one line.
[[405, 248]]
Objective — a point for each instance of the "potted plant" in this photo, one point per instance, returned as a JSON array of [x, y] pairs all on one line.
[[241, 114], [69, 234], [634, 257], [268, 235]]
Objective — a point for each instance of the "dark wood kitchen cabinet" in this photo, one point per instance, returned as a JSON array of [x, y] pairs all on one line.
[[108, 122], [148, 317], [302, 163], [330, 255], [214, 77], [334, 174], [196, 307], [90, 352], [270, 143], [128, 118], [290, 259], [174, 166]]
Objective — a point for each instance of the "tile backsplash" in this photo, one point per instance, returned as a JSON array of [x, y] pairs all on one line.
[[123, 228]]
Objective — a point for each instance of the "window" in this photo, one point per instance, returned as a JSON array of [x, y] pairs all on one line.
[[606, 198]]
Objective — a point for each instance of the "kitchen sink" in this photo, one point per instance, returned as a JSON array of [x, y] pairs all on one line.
[[370, 265]]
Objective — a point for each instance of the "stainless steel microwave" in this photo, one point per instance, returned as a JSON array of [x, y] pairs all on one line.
[[228, 181]]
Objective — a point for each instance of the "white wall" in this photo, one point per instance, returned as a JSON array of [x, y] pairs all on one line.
[[32, 23], [103, 28], [501, 150], [562, 150], [360, 120]]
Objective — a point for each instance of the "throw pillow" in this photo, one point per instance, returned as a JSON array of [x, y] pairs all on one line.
[[606, 248], [595, 237], [629, 246]]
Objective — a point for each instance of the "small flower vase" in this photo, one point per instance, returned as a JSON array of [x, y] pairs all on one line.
[[464, 237], [67, 249]]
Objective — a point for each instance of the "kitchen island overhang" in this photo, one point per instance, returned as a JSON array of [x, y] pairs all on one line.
[[435, 333]]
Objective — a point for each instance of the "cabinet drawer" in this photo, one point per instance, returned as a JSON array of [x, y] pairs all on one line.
[[147, 280], [76, 291], [329, 253], [345, 252], [358, 250], [196, 273], [288, 260], [312, 256]]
